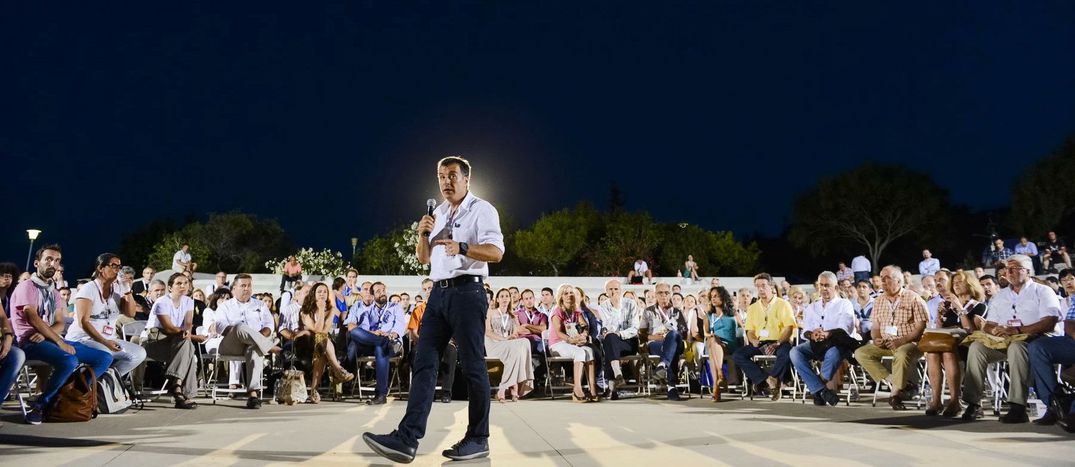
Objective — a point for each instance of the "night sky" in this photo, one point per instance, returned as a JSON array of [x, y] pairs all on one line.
[[330, 117]]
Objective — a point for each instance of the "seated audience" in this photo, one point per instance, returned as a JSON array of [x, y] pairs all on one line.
[[168, 340], [664, 328], [961, 307], [828, 325], [1044, 354], [568, 338], [863, 304], [38, 319], [376, 329], [770, 326], [720, 335], [1055, 252], [246, 325], [98, 306], [505, 341], [620, 316], [639, 272], [899, 318], [534, 323], [315, 324], [1020, 313]]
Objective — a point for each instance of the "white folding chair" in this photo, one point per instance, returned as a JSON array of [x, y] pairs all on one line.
[[128, 332]]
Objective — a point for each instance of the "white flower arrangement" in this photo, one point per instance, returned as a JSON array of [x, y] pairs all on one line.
[[324, 263], [407, 255]]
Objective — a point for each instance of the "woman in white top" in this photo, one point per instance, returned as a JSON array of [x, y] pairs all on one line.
[[168, 340], [97, 307], [503, 341]]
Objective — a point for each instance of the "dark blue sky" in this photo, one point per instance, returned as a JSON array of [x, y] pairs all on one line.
[[715, 113]]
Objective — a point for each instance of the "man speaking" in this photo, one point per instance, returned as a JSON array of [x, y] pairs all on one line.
[[458, 242]]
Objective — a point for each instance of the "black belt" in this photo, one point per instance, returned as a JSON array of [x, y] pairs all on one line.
[[458, 281]]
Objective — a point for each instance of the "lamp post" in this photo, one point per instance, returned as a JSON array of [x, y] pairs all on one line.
[[354, 245], [32, 233]]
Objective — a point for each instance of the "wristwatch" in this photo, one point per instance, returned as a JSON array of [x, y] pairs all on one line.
[[463, 248]]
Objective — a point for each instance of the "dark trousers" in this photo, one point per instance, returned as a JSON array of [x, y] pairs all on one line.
[[743, 359], [616, 347], [459, 313], [669, 349], [364, 342], [1044, 353], [537, 355]]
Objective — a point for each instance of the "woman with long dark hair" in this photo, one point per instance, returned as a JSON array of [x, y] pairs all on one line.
[[98, 306], [503, 342], [315, 323], [168, 340], [720, 331]]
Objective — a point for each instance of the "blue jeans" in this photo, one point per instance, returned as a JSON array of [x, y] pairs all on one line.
[[63, 364], [1044, 353], [669, 349], [454, 312], [743, 358], [803, 354], [364, 342], [9, 370]]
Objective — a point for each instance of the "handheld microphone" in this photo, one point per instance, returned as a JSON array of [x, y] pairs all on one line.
[[430, 205]]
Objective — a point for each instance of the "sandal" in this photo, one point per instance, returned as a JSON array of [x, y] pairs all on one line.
[[952, 409], [315, 397], [500, 397], [181, 400], [577, 398]]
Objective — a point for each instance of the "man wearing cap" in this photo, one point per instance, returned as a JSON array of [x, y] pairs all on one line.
[[465, 238], [1020, 313]]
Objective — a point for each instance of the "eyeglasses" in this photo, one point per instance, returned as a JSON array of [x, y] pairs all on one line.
[[115, 267]]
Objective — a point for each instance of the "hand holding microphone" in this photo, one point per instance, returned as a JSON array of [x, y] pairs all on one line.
[[425, 226]]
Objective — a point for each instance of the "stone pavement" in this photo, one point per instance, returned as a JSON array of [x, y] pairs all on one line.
[[538, 432]]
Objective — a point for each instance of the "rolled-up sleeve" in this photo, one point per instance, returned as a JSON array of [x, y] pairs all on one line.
[[488, 226]]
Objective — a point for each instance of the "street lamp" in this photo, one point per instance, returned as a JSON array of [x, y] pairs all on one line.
[[32, 233], [354, 244]]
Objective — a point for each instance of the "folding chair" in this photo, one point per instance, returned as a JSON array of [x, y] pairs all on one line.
[[128, 332], [368, 362], [550, 360], [25, 390], [919, 368]]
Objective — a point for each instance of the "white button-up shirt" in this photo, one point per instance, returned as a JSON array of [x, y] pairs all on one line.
[[929, 267], [622, 320], [1034, 303], [289, 317], [838, 313], [252, 313], [476, 222]]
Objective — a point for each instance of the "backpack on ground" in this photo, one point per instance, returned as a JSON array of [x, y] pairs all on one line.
[[112, 396], [77, 399]]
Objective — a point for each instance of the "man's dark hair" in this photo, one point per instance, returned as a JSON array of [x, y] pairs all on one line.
[[868, 284], [1065, 273], [513, 288], [404, 294], [375, 284], [987, 277], [764, 276], [53, 247], [239, 277], [1053, 279], [464, 165], [427, 280], [548, 289]]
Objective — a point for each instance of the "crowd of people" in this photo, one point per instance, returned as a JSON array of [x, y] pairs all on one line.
[[751, 338]]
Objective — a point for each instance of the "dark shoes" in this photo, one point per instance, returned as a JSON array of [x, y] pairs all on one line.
[[972, 413], [35, 415], [761, 389], [253, 403], [1049, 419], [468, 449], [673, 395], [1016, 414], [390, 447], [445, 397], [827, 396], [377, 400]]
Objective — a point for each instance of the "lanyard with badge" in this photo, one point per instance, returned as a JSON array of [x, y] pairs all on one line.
[[1014, 322], [893, 330], [109, 329], [504, 320], [763, 333]]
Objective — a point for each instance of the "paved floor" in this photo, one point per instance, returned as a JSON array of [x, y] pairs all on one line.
[[538, 432]]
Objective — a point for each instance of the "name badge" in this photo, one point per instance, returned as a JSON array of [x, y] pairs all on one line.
[[109, 330], [763, 333], [892, 331], [1015, 323]]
